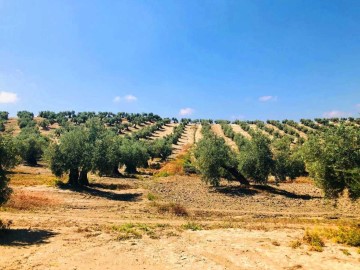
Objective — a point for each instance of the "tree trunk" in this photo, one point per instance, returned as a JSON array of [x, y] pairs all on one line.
[[130, 168], [31, 161], [115, 172], [238, 176], [83, 179], [73, 177]]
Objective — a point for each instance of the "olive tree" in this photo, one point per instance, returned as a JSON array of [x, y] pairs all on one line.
[[287, 160], [215, 159], [8, 159], [133, 154], [31, 145], [159, 148], [106, 158], [70, 156], [255, 158], [333, 159]]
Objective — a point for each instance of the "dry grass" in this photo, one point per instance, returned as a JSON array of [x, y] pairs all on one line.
[[172, 208], [137, 230], [5, 225], [31, 176], [26, 200], [304, 180], [176, 166]]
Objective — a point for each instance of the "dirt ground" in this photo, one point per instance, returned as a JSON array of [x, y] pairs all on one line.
[[176, 222]]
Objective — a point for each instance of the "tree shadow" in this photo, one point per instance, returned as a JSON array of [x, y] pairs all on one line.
[[242, 191], [235, 191], [110, 186], [24, 237], [127, 197], [288, 194]]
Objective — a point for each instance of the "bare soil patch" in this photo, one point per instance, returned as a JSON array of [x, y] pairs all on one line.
[[173, 222]]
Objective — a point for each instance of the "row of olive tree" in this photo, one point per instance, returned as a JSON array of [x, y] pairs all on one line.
[[92, 147], [331, 157], [256, 160]]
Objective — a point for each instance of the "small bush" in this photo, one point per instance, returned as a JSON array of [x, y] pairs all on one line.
[[192, 226], [344, 235], [151, 197], [173, 208], [295, 244], [314, 240]]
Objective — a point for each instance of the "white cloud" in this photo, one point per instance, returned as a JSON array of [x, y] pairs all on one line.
[[8, 97], [130, 98], [267, 98], [186, 111], [335, 113], [127, 98]]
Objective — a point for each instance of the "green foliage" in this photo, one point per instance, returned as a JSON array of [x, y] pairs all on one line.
[[26, 119], [31, 145], [159, 148], [2, 126], [44, 124], [133, 154], [333, 160], [192, 226], [255, 159], [287, 160], [4, 115], [212, 155], [106, 154], [70, 155], [8, 159]]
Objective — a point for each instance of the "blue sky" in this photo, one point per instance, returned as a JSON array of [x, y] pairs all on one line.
[[203, 59]]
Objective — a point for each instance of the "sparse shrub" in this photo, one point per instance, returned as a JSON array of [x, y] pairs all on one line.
[[151, 197], [136, 230], [192, 226], [344, 235], [295, 244], [314, 240], [172, 208]]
